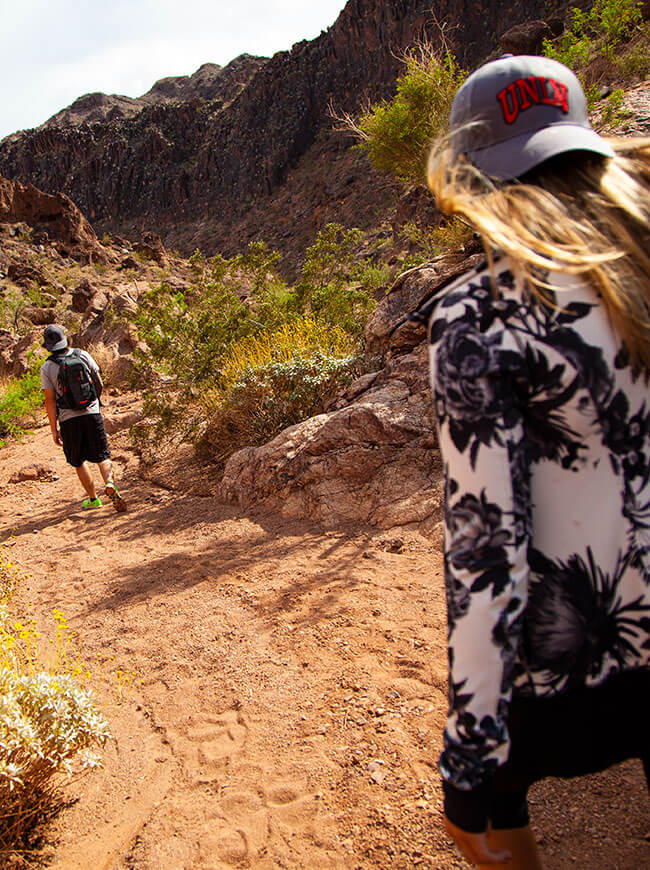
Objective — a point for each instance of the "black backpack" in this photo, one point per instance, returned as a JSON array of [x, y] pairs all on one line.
[[76, 382]]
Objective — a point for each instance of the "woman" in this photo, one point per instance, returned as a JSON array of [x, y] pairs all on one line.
[[540, 364]]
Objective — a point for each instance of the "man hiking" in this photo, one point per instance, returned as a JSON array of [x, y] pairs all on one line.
[[72, 385]]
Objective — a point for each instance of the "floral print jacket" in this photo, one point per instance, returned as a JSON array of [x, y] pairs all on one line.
[[545, 437]]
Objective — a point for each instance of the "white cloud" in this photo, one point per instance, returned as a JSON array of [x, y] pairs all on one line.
[[55, 52]]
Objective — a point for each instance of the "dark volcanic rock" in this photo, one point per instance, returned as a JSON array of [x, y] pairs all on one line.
[[40, 316], [95, 107], [526, 38], [151, 247], [81, 295], [209, 82], [24, 275], [198, 158]]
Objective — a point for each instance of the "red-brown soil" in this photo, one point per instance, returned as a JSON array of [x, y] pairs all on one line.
[[290, 690]]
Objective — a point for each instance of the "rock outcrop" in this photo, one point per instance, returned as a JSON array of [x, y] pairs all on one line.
[[374, 456], [373, 460], [55, 216]]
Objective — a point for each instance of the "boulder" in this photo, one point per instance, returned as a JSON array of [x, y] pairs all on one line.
[[151, 247], [54, 213], [35, 471], [387, 330], [373, 461], [117, 422], [14, 351], [81, 295], [526, 38], [129, 263], [116, 334], [40, 316], [24, 275]]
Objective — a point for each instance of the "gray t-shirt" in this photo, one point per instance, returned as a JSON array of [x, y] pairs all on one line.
[[49, 381]]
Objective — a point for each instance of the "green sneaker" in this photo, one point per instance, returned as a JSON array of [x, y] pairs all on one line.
[[118, 502], [91, 503]]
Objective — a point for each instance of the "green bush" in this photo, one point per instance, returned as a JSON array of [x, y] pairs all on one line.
[[267, 400], [190, 334], [611, 29], [187, 331], [396, 134], [275, 380], [336, 285], [12, 305], [614, 115], [430, 242], [21, 401]]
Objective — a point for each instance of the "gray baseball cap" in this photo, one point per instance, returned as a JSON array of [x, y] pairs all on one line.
[[515, 112], [54, 338]]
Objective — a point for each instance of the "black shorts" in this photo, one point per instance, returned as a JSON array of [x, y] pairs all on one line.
[[84, 439], [580, 731]]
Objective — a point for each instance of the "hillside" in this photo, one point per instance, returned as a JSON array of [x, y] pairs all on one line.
[[207, 174]]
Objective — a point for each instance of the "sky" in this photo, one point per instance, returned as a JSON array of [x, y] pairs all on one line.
[[54, 51]]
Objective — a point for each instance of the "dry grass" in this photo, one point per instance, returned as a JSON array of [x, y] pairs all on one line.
[[275, 380], [107, 359]]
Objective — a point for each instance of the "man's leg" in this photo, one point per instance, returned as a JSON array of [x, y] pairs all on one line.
[[106, 470], [83, 472]]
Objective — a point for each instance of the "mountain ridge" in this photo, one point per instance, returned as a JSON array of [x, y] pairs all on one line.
[[209, 82], [201, 172]]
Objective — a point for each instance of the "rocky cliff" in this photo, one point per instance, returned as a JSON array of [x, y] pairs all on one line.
[[210, 82], [198, 166]]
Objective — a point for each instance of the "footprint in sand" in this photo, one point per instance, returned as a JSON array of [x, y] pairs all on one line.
[[206, 747], [237, 832], [247, 822], [411, 669], [291, 809]]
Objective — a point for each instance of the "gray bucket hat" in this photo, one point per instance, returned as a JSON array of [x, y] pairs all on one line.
[[54, 338], [515, 112]]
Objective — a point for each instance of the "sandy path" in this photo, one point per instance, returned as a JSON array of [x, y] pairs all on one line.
[[291, 688]]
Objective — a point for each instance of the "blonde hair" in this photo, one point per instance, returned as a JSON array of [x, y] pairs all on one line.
[[577, 213]]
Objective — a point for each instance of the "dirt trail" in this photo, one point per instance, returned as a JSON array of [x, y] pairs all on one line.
[[291, 687]]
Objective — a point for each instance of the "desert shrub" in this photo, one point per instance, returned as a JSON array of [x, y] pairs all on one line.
[[21, 401], [186, 331], [193, 335], [106, 359], [12, 305], [48, 725], [431, 241], [598, 30], [609, 29], [336, 285], [396, 134], [634, 62], [613, 112], [275, 380]]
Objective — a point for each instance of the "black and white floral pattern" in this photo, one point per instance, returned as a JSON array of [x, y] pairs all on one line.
[[545, 435]]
